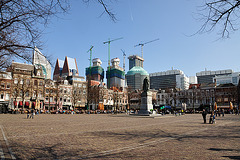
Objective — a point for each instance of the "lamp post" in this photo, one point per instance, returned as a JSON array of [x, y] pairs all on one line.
[[193, 98]]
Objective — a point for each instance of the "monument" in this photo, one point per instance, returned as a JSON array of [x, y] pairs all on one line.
[[146, 99]]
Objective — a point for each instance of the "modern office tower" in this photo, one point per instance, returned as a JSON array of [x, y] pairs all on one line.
[[96, 72], [207, 76], [135, 60], [135, 77], [168, 79], [40, 61], [115, 75], [136, 73], [230, 78]]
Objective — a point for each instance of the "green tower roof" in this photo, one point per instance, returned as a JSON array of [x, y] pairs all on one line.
[[136, 70]]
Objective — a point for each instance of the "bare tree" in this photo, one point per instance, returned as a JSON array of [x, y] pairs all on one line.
[[222, 13], [22, 23]]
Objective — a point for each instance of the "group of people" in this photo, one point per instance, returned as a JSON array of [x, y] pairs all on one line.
[[30, 113], [213, 115]]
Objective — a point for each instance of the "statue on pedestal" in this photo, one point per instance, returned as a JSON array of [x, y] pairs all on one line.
[[145, 84]]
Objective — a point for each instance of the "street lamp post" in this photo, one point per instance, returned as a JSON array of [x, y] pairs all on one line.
[[193, 87]]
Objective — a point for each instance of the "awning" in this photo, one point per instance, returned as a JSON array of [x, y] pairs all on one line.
[[169, 107], [26, 103], [20, 103], [33, 104]]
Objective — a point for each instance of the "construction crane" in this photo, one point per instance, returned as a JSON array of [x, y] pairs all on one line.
[[124, 55], [109, 41], [142, 44], [90, 50]]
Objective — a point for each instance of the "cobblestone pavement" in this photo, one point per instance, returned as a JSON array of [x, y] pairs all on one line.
[[118, 137]]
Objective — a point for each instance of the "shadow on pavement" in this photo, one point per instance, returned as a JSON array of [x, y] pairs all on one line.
[[220, 149], [232, 157]]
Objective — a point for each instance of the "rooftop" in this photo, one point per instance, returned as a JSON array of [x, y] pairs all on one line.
[[136, 70]]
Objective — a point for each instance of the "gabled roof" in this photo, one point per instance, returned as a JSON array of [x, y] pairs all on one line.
[[70, 64], [58, 67]]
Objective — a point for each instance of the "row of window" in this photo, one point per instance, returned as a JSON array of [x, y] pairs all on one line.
[[3, 85], [50, 99], [6, 96], [27, 81], [26, 94]]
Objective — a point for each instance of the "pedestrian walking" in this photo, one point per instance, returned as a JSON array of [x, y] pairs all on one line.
[[33, 113], [212, 118], [28, 113], [204, 114]]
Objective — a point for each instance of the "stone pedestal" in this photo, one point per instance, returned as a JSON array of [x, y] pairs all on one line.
[[146, 103]]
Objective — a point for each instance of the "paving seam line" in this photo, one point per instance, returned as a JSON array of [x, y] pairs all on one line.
[[1, 152], [109, 152], [24, 136], [7, 144]]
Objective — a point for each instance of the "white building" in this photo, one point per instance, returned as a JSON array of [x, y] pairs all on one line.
[[224, 79], [207, 76], [182, 82], [169, 79], [40, 59], [193, 80]]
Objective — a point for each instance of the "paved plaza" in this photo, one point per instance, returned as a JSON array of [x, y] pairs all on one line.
[[104, 136]]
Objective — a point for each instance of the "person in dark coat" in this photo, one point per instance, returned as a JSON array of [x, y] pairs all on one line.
[[204, 115]]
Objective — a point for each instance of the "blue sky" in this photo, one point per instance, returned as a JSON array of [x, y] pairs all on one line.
[[140, 21]]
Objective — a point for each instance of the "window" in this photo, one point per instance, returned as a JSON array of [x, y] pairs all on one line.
[[51, 99], [8, 86], [15, 81], [51, 91], [79, 85], [21, 81], [60, 99], [2, 85], [46, 99], [35, 82], [34, 93], [40, 83], [64, 100], [68, 100], [234, 80], [40, 94], [20, 93], [27, 94], [65, 91], [47, 90], [7, 96], [27, 81], [2, 95]]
